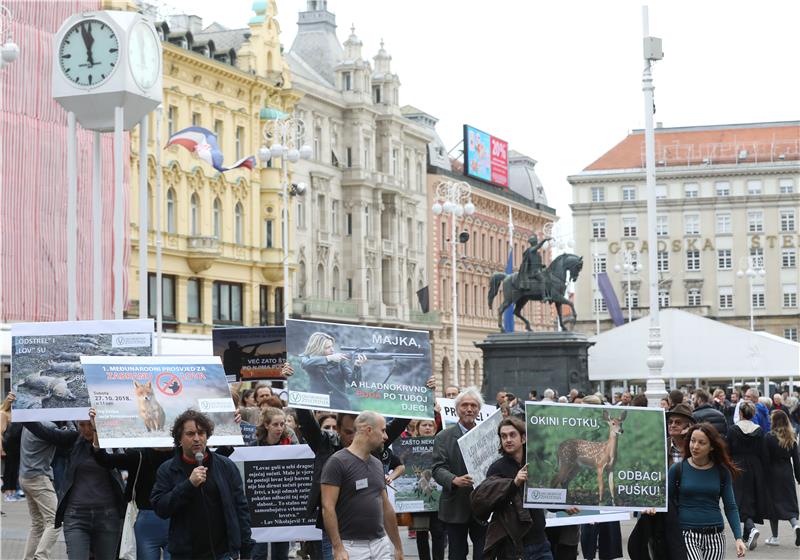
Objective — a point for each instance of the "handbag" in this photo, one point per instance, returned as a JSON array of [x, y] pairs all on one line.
[[127, 545]]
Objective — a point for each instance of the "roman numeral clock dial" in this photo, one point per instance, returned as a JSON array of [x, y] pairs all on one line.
[[89, 53]]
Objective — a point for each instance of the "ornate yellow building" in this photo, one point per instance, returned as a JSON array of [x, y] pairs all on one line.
[[222, 260]]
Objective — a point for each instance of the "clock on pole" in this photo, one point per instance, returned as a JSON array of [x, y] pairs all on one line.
[[107, 76]]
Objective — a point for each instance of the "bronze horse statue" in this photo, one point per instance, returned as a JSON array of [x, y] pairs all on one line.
[[555, 276]]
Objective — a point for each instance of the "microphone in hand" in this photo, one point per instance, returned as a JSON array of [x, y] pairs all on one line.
[[198, 475]]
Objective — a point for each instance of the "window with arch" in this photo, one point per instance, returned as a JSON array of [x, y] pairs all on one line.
[[238, 223], [320, 281], [447, 375], [301, 279], [194, 214], [368, 286], [476, 372], [171, 210], [216, 218], [335, 284], [467, 373]]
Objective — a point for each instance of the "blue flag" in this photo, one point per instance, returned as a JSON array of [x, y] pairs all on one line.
[[614, 310], [508, 315]]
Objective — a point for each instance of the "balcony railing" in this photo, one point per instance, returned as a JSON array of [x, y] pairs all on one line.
[[203, 244], [312, 306]]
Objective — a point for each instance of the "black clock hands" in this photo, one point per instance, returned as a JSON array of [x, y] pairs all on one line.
[[88, 41]]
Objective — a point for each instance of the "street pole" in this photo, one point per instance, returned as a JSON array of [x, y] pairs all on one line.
[[453, 197], [454, 297], [157, 227], [655, 390], [285, 227]]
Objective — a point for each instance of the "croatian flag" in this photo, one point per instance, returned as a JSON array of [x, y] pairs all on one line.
[[508, 314], [203, 143]]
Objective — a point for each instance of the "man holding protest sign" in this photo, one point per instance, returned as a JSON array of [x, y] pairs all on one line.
[[450, 472], [359, 519]]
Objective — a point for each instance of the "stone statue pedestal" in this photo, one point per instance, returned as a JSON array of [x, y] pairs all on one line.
[[520, 361]]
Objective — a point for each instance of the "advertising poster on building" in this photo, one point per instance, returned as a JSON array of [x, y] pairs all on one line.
[[485, 157], [350, 368], [450, 417], [137, 399], [251, 353], [480, 447], [277, 484], [46, 372], [593, 456], [415, 491]]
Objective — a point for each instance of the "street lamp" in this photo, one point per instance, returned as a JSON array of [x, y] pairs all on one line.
[[651, 51], [9, 51], [630, 265], [282, 135], [751, 273], [454, 198]]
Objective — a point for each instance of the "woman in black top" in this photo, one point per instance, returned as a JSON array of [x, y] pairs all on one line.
[[783, 471]]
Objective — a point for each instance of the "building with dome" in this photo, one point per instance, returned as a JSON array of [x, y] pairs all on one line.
[[361, 245], [485, 253]]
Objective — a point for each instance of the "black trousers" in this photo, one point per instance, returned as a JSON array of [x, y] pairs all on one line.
[[457, 547], [437, 539], [601, 539]]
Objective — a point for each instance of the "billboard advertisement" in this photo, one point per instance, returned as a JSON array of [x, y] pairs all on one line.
[[485, 157]]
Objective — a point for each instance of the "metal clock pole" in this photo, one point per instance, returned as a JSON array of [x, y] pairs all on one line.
[[143, 225], [97, 228], [72, 219], [119, 217]]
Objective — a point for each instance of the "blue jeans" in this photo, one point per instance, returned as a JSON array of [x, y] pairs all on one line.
[[280, 551], [152, 535], [92, 529], [539, 551], [327, 547]]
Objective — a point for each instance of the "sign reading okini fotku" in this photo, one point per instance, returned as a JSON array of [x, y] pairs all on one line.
[[350, 368], [603, 457]]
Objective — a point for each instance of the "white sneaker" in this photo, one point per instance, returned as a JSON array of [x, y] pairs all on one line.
[[752, 540], [772, 541]]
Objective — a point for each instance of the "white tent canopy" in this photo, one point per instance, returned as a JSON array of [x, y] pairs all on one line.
[[694, 348]]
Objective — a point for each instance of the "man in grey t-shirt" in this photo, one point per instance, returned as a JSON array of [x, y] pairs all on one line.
[[355, 508]]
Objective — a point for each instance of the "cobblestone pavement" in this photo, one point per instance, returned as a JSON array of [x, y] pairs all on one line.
[[15, 527]]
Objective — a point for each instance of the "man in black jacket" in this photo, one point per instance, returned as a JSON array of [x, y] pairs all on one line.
[[704, 412], [204, 501], [514, 532]]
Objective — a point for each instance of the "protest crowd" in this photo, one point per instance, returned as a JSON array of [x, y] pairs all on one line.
[[190, 503]]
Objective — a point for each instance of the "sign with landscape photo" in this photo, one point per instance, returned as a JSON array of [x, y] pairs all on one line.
[[46, 372], [611, 458], [251, 353]]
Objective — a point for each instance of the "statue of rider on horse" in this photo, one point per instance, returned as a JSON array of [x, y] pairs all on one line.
[[531, 271]]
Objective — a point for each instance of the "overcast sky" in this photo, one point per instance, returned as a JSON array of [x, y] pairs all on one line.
[[561, 81]]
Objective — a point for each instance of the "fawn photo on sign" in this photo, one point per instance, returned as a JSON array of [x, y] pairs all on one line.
[[415, 490], [251, 353], [46, 372], [350, 368], [590, 456], [136, 400]]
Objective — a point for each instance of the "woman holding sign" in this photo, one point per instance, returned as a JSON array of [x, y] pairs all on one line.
[[273, 431], [329, 371]]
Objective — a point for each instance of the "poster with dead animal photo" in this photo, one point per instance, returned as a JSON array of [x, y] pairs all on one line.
[[595, 457], [46, 372], [137, 399]]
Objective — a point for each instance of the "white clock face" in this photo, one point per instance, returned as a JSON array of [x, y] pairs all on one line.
[[144, 56], [89, 53]]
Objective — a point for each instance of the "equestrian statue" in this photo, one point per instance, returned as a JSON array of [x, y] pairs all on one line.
[[537, 283]]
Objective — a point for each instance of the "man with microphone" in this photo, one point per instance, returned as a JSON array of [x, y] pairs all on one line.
[[201, 493]]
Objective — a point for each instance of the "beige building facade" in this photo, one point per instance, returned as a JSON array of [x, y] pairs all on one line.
[[219, 268], [361, 226], [727, 201]]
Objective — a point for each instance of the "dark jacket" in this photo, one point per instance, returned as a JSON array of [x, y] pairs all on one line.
[[324, 444], [707, 413], [783, 469], [80, 449], [129, 461], [749, 452], [173, 492], [454, 505]]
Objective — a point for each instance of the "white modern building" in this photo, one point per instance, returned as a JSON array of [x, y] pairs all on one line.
[[727, 220]]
